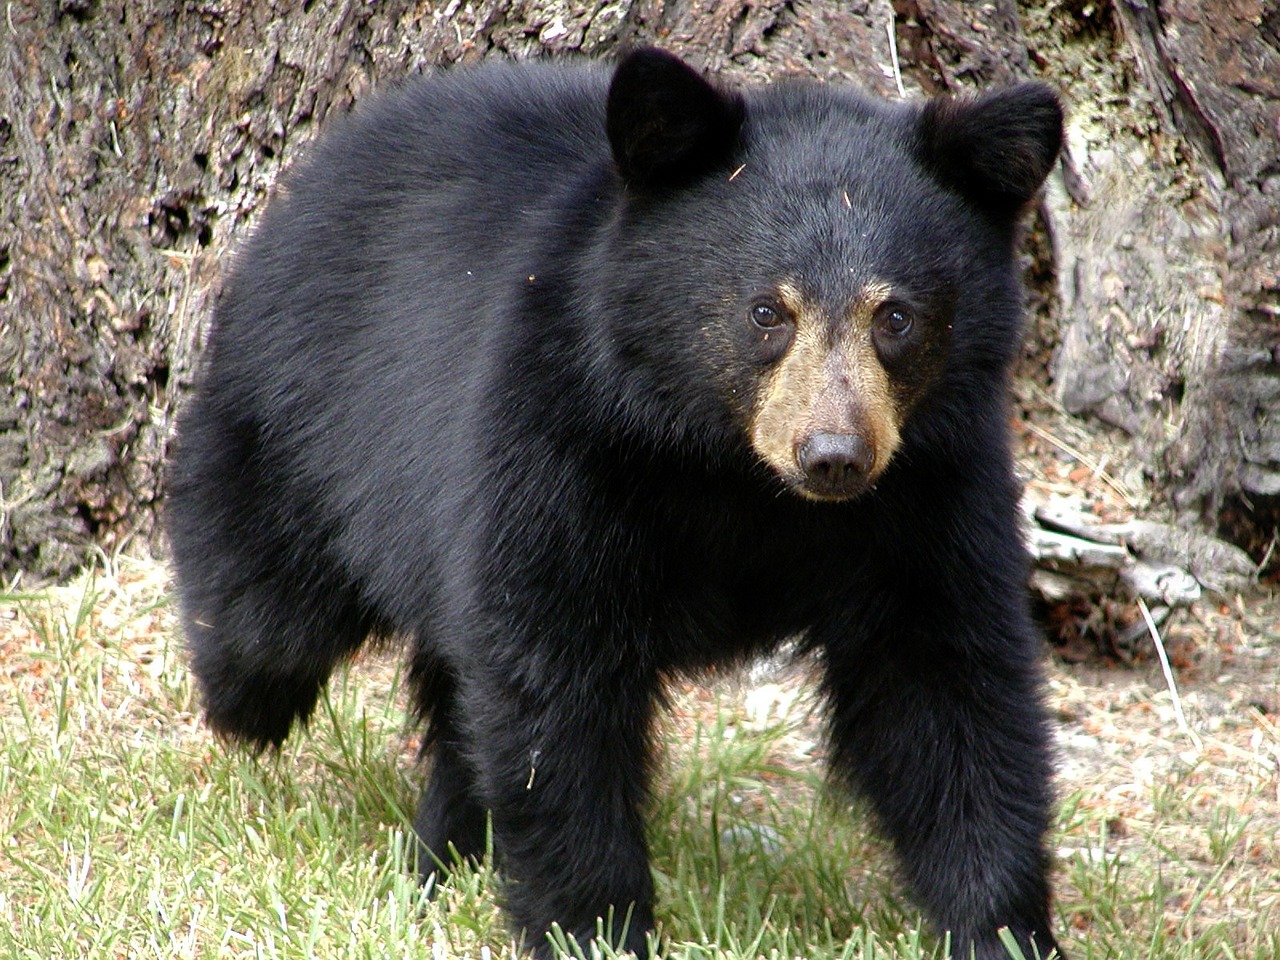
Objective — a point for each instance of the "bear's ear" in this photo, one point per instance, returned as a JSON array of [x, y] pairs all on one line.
[[995, 149], [667, 125]]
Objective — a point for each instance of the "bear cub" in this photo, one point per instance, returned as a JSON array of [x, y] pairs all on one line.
[[581, 379]]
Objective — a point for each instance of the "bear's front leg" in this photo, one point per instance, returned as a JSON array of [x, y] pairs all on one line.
[[561, 750], [933, 682], [953, 755]]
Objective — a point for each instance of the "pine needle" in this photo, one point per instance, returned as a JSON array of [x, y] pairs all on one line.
[[893, 53]]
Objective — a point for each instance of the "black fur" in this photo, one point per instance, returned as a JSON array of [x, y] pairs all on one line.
[[484, 377], [998, 148], [665, 123]]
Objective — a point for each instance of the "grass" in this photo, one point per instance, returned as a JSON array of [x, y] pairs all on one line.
[[127, 831]]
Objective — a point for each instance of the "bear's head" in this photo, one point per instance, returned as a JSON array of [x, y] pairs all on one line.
[[820, 274]]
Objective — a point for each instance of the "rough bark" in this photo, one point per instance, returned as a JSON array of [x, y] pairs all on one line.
[[1170, 264], [139, 139]]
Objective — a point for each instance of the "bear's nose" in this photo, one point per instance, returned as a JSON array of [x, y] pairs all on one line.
[[835, 464]]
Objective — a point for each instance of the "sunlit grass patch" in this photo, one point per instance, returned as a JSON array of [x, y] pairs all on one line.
[[129, 831]]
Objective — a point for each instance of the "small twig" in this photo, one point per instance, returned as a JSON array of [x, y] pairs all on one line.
[[1271, 549], [893, 53], [1168, 675]]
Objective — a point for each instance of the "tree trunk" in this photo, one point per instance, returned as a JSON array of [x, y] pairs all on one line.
[[1170, 264], [138, 141]]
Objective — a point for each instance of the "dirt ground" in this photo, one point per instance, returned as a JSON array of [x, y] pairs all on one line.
[[1195, 798], [1178, 780], [1181, 800]]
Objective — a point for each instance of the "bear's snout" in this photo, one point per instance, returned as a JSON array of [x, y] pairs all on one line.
[[835, 465]]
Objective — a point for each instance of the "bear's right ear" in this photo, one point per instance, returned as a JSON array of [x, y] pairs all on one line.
[[667, 125], [995, 149]]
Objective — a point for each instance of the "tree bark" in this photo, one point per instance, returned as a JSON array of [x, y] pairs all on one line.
[[140, 139], [1170, 324]]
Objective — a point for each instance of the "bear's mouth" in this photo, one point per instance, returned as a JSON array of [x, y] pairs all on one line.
[[832, 494], [827, 490]]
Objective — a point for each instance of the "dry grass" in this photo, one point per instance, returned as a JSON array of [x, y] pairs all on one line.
[[1167, 844]]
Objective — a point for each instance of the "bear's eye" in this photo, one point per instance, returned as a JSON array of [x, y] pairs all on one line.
[[895, 320], [766, 316]]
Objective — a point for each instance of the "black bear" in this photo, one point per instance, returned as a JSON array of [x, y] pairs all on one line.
[[584, 379]]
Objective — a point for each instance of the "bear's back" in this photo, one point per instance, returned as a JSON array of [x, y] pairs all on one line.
[[513, 128], [361, 314]]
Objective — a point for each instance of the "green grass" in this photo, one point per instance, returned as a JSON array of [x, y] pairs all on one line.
[[127, 831]]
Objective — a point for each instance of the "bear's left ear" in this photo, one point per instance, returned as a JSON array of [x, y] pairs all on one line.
[[995, 149], [667, 125]]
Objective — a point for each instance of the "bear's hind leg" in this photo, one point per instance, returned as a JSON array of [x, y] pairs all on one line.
[[263, 649], [267, 613]]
